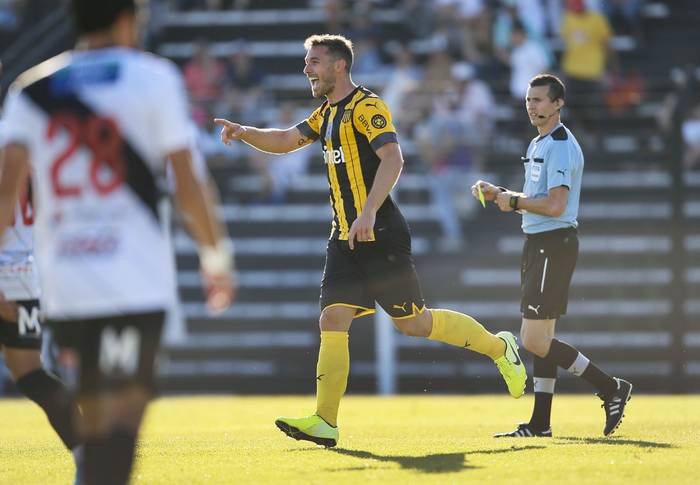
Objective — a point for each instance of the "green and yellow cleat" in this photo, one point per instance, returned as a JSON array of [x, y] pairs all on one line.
[[511, 366], [311, 428]]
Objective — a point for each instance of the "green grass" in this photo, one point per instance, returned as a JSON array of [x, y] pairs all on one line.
[[425, 439]]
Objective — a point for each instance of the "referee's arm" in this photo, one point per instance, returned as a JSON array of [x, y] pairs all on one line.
[[553, 205]]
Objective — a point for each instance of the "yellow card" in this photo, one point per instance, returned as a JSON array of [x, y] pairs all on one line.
[[481, 196]]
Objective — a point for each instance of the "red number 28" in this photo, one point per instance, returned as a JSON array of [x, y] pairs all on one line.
[[100, 135]]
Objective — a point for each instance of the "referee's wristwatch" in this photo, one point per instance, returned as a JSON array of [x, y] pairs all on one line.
[[514, 199]]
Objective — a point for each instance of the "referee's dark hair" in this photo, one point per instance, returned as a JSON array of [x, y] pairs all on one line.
[[338, 46], [96, 15], [556, 86]]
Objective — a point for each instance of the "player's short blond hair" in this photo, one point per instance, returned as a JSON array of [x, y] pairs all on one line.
[[338, 46]]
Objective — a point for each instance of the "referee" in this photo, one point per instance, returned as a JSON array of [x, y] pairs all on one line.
[[549, 206]]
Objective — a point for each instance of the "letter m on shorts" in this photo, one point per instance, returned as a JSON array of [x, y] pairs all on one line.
[[119, 352], [28, 321]]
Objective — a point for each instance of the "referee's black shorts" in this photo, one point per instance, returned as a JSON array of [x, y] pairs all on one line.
[[381, 271], [548, 262]]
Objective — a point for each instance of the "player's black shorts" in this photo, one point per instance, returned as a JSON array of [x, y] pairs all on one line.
[[381, 271], [25, 333], [114, 352], [548, 262]]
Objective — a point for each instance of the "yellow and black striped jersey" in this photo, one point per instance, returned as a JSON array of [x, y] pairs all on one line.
[[351, 131]]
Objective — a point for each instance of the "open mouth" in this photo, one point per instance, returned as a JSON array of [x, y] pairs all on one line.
[[313, 81]]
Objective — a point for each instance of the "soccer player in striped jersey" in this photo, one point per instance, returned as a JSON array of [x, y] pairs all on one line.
[[368, 257], [97, 125]]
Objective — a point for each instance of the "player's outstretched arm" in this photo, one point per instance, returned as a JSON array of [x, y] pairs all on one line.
[[196, 203], [270, 140], [14, 169]]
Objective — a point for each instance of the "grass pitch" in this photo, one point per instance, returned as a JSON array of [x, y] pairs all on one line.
[[408, 439]]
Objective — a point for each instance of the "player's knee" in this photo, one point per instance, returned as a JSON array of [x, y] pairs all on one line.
[[335, 321], [128, 406], [21, 362], [418, 326], [535, 344], [406, 328]]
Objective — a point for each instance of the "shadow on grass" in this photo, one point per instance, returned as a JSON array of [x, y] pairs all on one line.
[[433, 463], [616, 441]]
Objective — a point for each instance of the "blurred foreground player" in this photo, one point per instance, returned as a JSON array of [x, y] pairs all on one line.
[[549, 205], [97, 125], [20, 326]]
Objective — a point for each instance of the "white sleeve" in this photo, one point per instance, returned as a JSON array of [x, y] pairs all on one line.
[[21, 123], [171, 117], [199, 163]]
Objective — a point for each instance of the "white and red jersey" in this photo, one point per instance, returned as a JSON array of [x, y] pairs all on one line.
[[18, 275], [98, 125]]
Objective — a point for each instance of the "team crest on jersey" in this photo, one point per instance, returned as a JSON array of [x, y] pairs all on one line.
[[347, 116], [378, 121]]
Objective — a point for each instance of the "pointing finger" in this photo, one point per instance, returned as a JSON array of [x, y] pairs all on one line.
[[223, 122]]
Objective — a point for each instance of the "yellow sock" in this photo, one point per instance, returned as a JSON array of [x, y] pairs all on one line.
[[331, 374], [463, 331]]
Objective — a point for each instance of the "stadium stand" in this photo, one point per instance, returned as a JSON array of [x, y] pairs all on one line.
[[634, 303]]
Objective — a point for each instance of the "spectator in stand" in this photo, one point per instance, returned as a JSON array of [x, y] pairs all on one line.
[[586, 35], [9, 16], [285, 169], [527, 59], [335, 16], [529, 13], [419, 18], [367, 58], [471, 18], [679, 115], [455, 30], [451, 142], [204, 75], [437, 72], [365, 35], [625, 15], [244, 84], [189, 4], [212, 4], [690, 130], [553, 12], [401, 88]]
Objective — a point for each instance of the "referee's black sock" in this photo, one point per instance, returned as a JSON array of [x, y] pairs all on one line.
[[544, 378], [108, 460], [578, 364], [57, 402]]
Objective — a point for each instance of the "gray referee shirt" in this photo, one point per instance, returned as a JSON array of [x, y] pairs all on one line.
[[553, 160]]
